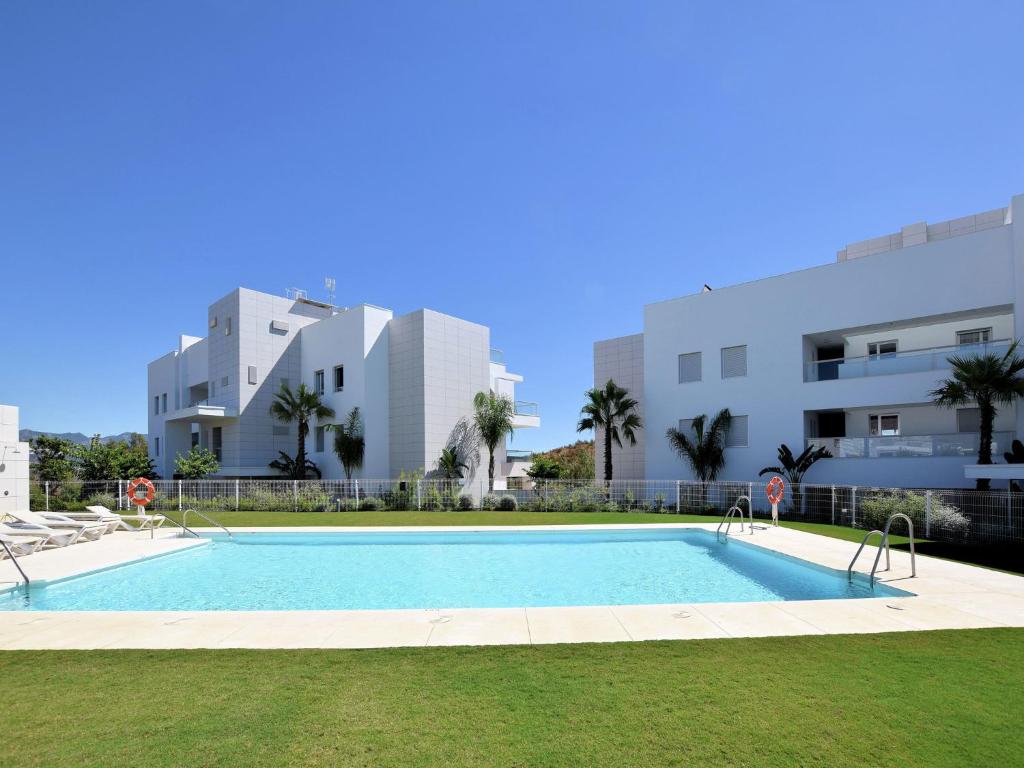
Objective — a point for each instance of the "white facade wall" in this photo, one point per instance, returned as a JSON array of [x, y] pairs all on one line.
[[919, 294], [621, 360], [13, 463]]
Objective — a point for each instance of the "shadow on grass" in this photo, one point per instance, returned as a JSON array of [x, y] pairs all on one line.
[[1003, 558]]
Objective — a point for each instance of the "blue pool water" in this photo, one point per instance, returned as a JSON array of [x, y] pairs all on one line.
[[338, 571]]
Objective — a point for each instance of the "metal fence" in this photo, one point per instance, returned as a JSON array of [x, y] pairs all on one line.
[[953, 515]]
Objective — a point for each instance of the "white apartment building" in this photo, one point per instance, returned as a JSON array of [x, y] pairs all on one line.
[[13, 463], [413, 378], [842, 355]]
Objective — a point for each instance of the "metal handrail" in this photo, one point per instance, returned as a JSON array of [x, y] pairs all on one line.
[[207, 518], [733, 510], [884, 544], [14, 559]]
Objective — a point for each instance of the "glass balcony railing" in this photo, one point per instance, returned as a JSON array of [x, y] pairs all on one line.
[[518, 455], [911, 361], [497, 356], [525, 408], [910, 446]]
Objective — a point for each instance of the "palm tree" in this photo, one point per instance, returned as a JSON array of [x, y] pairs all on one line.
[[451, 464], [987, 380], [493, 420], [612, 409], [705, 453], [301, 406], [350, 442], [289, 467], [793, 468]]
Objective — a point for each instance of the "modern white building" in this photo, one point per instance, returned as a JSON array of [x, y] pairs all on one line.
[[842, 355], [13, 463], [413, 378]]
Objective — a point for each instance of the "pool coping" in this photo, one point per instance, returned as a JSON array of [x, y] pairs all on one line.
[[946, 595]]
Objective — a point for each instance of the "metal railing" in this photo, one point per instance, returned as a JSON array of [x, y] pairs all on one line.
[[908, 361], [909, 446], [526, 408], [14, 559], [883, 544], [207, 518]]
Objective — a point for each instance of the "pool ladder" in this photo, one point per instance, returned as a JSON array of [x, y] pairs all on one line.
[[734, 510], [884, 544], [14, 559], [184, 522]]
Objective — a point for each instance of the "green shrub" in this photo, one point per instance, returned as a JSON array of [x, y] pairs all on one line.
[[508, 503], [612, 506], [874, 512], [489, 502], [466, 502], [370, 504]]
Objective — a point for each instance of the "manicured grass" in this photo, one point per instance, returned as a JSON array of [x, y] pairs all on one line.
[[908, 699]]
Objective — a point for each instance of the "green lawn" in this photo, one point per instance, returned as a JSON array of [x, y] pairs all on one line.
[[908, 699], [1000, 558]]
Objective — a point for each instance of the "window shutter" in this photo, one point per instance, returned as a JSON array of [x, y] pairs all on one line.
[[734, 362], [737, 436], [689, 367]]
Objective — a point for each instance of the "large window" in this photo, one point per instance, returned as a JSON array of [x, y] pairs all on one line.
[[217, 438], [156, 405], [252, 374], [318, 382], [156, 446], [734, 362], [339, 378], [319, 440], [884, 424], [689, 367], [163, 402], [227, 326], [881, 348], [975, 336]]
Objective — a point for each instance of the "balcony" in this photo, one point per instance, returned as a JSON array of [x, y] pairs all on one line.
[[957, 444], [518, 455], [886, 364], [525, 415], [497, 356]]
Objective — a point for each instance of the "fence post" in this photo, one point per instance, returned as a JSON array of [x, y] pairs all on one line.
[[853, 507], [357, 493], [419, 497], [927, 514], [295, 494], [545, 482], [47, 495], [833, 505], [1009, 507], [120, 494], [678, 500], [750, 498], [236, 495], [179, 495]]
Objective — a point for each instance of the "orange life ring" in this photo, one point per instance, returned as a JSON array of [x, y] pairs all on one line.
[[148, 491], [775, 489]]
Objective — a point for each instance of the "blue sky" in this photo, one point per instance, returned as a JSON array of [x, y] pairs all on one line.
[[543, 168]]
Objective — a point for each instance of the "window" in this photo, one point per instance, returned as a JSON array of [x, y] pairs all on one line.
[[227, 326], [968, 419], [734, 362], [318, 382], [163, 402], [224, 381], [213, 387], [689, 367], [252, 374], [736, 437], [881, 348], [156, 446], [319, 440], [884, 425], [278, 326], [156, 405], [977, 336], [217, 442], [195, 439], [339, 378], [213, 321]]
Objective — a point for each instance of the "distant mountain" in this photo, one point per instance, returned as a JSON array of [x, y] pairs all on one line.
[[75, 437]]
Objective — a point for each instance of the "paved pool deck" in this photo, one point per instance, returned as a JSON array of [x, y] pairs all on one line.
[[947, 595]]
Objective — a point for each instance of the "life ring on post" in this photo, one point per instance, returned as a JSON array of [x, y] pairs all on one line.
[[775, 490], [141, 491]]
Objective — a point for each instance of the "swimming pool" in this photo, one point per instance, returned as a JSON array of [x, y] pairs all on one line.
[[348, 571]]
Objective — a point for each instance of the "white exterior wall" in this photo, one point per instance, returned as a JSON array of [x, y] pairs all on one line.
[[923, 293], [621, 360], [13, 463]]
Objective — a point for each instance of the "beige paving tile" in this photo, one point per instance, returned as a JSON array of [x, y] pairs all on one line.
[[575, 625], [283, 629], [925, 613], [381, 629], [995, 606], [755, 619], [666, 622], [849, 616], [483, 626]]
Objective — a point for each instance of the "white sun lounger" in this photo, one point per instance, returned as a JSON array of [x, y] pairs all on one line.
[[104, 515], [51, 537], [88, 531], [21, 545], [94, 515]]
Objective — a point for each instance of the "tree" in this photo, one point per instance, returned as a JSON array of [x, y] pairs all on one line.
[[543, 468], [134, 458], [493, 418], [301, 406], [451, 464], [793, 468], [114, 460], [196, 464], [705, 452], [350, 442], [612, 409], [55, 458], [290, 467], [987, 380]]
